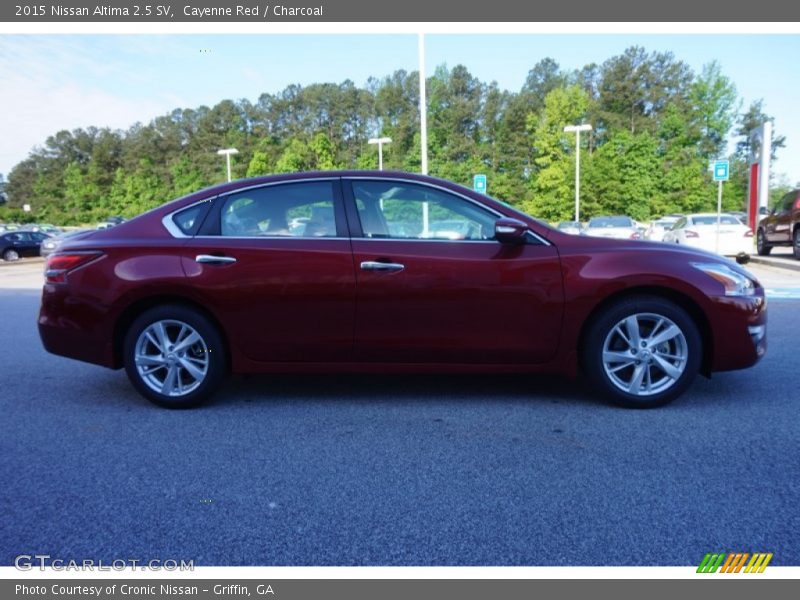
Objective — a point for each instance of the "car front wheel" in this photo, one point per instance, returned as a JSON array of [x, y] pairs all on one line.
[[174, 356], [762, 247], [796, 243], [642, 352]]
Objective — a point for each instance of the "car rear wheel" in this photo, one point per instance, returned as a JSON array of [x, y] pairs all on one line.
[[174, 356], [762, 247], [10, 255], [796, 243], [642, 352]]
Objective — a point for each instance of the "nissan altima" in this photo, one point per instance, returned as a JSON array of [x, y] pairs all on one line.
[[389, 272]]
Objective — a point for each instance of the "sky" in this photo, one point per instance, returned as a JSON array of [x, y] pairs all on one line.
[[50, 82]]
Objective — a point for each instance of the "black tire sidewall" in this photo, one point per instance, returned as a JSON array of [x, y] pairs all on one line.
[[10, 255], [796, 243], [763, 248], [592, 349], [217, 356]]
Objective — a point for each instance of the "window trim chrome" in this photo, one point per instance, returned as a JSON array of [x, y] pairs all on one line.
[[176, 232]]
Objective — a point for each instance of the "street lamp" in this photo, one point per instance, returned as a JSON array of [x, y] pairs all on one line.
[[380, 141], [577, 129], [227, 152]]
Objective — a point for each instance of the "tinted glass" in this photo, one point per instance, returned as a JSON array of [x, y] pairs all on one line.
[[611, 222], [291, 210], [389, 209], [712, 220], [186, 220]]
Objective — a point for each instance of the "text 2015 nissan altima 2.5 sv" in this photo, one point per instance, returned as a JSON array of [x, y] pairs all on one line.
[[389, 272]]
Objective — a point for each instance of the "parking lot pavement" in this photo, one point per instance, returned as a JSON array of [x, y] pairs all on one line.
[[395, 470], [27, 273]]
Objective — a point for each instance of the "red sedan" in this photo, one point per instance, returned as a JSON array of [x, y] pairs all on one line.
[[389, 272]]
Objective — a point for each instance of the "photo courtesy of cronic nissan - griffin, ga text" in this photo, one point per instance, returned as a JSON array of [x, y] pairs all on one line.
[[389, 272]]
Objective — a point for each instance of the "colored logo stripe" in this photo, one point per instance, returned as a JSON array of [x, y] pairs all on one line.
[[710, 563], [734, 561]]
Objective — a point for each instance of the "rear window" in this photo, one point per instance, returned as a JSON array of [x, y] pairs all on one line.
[[712, 220], [188, 220], [611, 222]]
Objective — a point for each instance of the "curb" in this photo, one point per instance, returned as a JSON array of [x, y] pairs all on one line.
[[790, 264]]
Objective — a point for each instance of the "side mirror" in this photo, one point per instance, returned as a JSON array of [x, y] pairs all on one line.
[[510, 231]]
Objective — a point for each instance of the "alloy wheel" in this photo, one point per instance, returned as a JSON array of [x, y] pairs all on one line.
[[645, 354], [171, 357]]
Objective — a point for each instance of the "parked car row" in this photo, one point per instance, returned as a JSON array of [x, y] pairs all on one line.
[[40, 239], [700, 230], [618, 227]]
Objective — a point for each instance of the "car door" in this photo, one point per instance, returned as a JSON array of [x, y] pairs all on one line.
[[24, 244], [37, 238], [275, 263], [778, 225], [435, 287]]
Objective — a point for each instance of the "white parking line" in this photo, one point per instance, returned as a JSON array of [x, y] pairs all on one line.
[[782, 293]]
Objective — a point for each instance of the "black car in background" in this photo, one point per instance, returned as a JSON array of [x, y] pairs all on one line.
[[52, 243], [18, 244]]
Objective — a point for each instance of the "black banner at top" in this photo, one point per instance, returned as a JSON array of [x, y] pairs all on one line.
[[473, 11]]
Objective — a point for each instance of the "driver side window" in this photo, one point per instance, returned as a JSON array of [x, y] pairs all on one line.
[[399, 210]]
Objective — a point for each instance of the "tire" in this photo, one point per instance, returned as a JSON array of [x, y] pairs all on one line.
[[614, 361], [762, 247], [10, 255], [167, 373], [796, 243]]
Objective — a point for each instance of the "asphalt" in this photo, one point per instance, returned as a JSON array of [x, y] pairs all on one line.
[[395, 470]]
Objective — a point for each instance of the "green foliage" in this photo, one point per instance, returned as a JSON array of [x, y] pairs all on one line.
[[554, 156], [623, 176], [259, 164], [656, 126]]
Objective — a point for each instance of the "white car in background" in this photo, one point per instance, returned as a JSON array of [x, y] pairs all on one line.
[[655, 232], [571, 227], [700, 231], [618, 227]]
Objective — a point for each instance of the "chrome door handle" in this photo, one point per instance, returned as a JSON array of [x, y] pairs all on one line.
[[371, 265], [211, 259]]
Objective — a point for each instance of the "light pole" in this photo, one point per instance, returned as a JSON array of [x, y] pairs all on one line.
[[227, 152], [423, 108], [577, 129], [380, 141]]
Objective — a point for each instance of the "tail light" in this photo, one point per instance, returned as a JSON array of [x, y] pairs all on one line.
[[636, 235], [690, 233], [59, 265], [797, 204], [748, 233]]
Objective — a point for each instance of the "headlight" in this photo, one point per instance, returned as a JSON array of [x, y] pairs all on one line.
[[734, 282]]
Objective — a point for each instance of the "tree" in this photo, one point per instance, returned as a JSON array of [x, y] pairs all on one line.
[[713, 100], [623, 176], [554, 178], [296, 157], [259, 164]]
